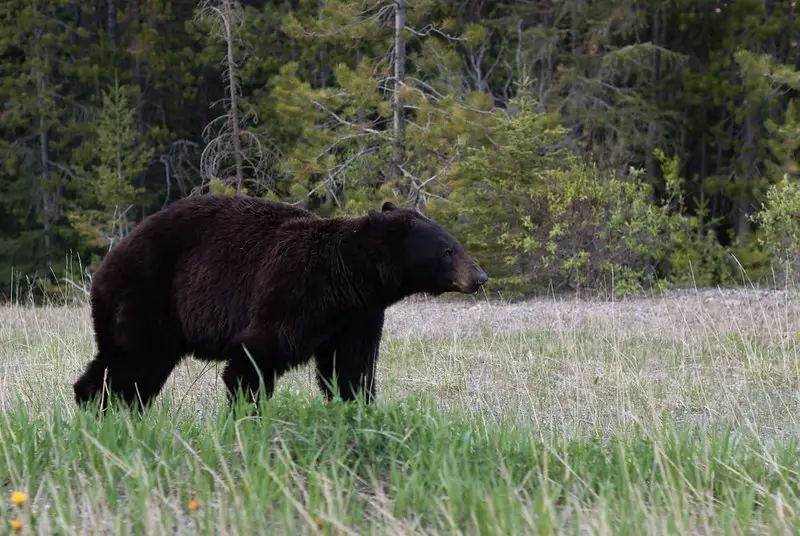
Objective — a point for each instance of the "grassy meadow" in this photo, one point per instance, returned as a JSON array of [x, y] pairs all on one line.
[[662, 415]]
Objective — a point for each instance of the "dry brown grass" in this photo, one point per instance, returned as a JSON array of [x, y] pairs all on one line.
[[704, 357]]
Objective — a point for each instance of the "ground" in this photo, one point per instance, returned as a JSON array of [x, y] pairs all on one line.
[[562, 371]]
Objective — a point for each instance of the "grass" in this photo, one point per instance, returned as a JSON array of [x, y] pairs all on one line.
[[673, 415]]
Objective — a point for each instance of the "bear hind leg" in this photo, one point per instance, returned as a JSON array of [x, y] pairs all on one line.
[[139, 343], [91, 382], [135, 380]]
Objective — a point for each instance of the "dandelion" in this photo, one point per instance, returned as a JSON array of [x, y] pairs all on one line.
[[194, 505], [19, 497], [16, 525]]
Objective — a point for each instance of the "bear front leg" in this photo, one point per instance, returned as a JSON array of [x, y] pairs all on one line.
[[244, 373], [351, 355]]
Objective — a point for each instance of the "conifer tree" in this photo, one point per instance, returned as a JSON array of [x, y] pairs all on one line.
[[38, 126], [382, 126], [110, 163]]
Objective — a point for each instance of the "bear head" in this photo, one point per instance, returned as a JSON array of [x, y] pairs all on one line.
[[427, 258]]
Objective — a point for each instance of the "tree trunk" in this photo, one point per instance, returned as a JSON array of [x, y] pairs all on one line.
[[45, 162], [111, 21], [747, 168], [136, 48], [44, 157], [118, 158], [655, 81], [135, 21], [237, 142], [716, 168], [398, 148]]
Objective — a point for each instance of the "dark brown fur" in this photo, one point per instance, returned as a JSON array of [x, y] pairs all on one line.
[[211, 275]]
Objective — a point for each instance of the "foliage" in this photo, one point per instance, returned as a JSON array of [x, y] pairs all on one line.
[[111, 160], [556, 221], [344, 159], [780, 221], [552, 219], [39, 124], [694, 255], [311, 103]]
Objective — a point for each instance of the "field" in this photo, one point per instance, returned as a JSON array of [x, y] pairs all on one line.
[[673, 414]]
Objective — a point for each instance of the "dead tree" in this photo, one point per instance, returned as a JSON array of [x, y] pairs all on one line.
[[232, 152]]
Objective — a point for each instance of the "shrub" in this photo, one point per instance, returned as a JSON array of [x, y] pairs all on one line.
[[537, 216], [780, 223]]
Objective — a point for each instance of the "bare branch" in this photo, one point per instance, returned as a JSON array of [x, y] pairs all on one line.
[[342, 139], [69, 172], [343, 121], [429, 29], [344, 165], [385, 9]]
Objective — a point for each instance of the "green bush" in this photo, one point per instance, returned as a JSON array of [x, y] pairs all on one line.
[[780, 223], [538, 217]]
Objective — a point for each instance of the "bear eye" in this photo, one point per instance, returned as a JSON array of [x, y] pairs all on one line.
[[448, 253]]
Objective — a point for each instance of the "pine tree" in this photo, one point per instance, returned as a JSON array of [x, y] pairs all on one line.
[[38, 127], [111, 163], [383, 125]]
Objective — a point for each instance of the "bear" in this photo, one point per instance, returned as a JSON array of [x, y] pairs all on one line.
[[263, 286]]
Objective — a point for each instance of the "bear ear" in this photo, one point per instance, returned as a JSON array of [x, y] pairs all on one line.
[[375, 216], [388, 207]]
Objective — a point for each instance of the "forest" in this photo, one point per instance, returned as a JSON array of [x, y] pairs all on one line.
[[569, 144]]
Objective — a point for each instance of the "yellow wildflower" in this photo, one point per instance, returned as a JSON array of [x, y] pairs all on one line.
[[19, 497], [16, 525], [194, 504]]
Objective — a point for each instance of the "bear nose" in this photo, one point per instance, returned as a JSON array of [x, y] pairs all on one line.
[[483, 278]]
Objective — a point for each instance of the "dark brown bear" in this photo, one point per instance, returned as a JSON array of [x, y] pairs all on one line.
[[211, 275]]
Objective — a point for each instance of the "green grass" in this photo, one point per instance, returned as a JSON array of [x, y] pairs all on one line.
[[575, 418], [304, 466]]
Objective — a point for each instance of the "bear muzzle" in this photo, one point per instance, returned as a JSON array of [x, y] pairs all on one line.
[[470, 280]]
